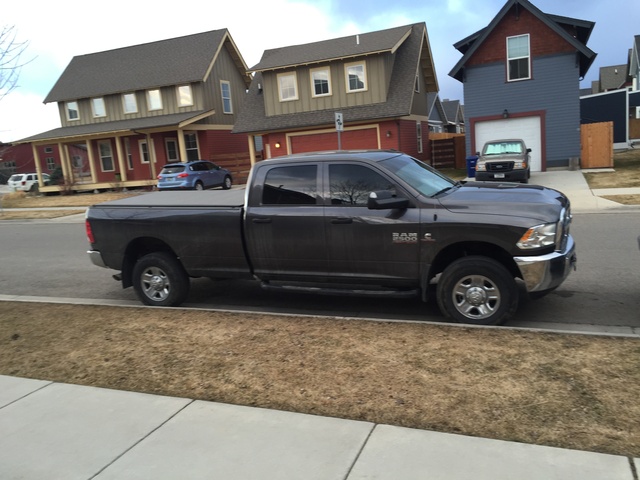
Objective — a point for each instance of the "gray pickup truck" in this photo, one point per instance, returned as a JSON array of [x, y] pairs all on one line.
[[358, 222]]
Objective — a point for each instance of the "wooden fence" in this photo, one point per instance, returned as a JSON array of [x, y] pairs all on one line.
[[597, 145], [447, 150], [239, 164]]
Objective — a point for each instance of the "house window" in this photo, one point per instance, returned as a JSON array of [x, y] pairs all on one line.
[[320, 82], [98, 108], [171, 145], [144, 151], [416, 87], [288, 86], [225, 88], [356, 77], [48, 149], [185, 97], [127, 150], [130, 103], [419, 135], [155, 99], [191, 145], [72, 111], [76, 161], [106, 157], [51, 163], [518, 58]]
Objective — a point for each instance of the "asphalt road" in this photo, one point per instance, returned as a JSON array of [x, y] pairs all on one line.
[[49, 260]]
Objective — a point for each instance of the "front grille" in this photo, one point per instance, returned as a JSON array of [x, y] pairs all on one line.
[[499, 166]]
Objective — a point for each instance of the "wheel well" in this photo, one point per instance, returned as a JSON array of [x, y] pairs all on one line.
[[465, 249], [138, 249]]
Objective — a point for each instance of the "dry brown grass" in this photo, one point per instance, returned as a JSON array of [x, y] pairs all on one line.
[[626, 172], [554, 389], [26, 200], [37, 214]]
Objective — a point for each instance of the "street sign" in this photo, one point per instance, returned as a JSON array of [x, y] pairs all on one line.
[[339, 122]]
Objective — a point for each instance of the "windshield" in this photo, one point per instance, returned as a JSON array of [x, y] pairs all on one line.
[[502, 148], [422, 177]]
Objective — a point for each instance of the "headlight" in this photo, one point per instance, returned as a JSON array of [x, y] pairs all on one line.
[[520, 165], [481, 167], [538, 236]]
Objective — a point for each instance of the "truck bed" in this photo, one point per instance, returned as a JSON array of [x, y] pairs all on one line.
[[233, 198]]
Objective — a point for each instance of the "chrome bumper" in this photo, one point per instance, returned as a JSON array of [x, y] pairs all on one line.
[[96, 258], [547, 271]]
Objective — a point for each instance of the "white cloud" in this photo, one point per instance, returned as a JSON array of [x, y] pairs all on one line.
[[23, 114]]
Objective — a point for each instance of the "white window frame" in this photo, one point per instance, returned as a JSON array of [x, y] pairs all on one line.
[[191, 138], [127, 151], [171, 159], [134, 103], [419, 136], [51, 163], [347, 68], [106, 143], [98, 107], [518, 58], [72, 107], [154, 99], [226, 96], [185, 95], [313, 72], [48, 149], [283, 77]]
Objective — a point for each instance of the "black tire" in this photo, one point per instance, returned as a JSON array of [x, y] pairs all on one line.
[[477, 290], [226, 184], [198, 186], [160, 280]]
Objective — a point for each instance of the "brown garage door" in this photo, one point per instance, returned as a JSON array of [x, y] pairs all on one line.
[[351, 140]]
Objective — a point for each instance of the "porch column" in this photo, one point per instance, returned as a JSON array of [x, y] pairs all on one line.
[[152, 156], [121, 165], [252, 149], [92, 166], [67, 174], [36, 158], [182, 146]]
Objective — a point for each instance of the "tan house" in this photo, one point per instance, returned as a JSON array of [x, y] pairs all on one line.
[[134, 109], [376, 82]]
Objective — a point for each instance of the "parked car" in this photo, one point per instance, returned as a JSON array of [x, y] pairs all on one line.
[[196, 175], [504, 160], [26, 182]]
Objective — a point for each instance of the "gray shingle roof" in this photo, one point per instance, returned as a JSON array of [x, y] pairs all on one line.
[[111, 127], [327, 50], [252, 118], [613, 77], [139, 67]]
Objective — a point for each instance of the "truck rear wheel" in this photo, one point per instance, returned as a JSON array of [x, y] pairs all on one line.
[[477, 290], [160, 280]]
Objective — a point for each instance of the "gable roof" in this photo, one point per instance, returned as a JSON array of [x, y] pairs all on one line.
[[410, 43], [469, 45], [613, 77], [436, 112], [634, 57], [453, 110], [151, 65]]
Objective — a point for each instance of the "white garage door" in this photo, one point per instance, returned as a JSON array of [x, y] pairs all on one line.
[[527, 128]]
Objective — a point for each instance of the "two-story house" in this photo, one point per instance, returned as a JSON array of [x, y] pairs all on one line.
[[131, 110], [378, 81], [521, 79]]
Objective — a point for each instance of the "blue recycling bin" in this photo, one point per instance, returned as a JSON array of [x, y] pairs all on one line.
[[471, 166]]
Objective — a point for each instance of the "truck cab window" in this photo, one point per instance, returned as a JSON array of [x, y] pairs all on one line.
[[291, 185], [351, 184]]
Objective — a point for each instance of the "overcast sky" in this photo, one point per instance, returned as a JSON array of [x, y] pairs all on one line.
[[58, 31]]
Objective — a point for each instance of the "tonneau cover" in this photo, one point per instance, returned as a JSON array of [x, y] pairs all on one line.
[[208, 198]]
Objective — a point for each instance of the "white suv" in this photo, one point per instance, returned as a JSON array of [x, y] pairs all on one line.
[[26, 182]]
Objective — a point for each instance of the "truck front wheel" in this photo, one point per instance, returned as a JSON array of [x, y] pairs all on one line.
[[159, 280], [477, 290]]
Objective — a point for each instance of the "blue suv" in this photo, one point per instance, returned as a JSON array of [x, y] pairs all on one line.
[[197, 175]]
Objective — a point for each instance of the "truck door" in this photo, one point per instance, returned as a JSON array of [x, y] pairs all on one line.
[[284, 223], [368, 245]]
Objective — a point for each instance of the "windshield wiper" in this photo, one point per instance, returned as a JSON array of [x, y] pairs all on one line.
[[446, 189]]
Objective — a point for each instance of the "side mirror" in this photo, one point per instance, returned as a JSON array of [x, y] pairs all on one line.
[[528, 150], [384, 200]]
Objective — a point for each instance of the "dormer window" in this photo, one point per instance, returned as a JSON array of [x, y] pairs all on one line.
[[518, 58], [288, 86], [130, 103], [98, 108], [320, 82], [155, 99], [72, 111], [185, 96], [356, 74]]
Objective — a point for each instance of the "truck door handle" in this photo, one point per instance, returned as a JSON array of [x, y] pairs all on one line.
[[261, 220], [341, 220]]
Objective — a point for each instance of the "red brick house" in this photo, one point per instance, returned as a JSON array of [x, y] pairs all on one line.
[[133, 109], [378, 81]]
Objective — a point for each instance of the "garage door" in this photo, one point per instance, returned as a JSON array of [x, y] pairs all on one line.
[[350, 139], [528, 129]]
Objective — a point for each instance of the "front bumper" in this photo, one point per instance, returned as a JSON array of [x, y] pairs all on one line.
[[545, 272], [510, 176]]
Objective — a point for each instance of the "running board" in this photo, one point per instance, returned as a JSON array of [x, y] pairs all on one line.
[[350, 292]]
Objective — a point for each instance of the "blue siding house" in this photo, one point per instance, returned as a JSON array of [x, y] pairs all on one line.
[[521, 77]]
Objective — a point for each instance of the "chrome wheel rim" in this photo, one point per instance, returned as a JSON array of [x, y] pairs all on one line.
[[155, 284], [476, 297]]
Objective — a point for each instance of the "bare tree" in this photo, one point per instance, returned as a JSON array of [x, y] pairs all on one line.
[[11, 63]]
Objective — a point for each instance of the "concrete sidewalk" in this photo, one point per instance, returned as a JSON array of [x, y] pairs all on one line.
[[59, 431]]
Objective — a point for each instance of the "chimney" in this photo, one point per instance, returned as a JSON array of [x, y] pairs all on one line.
[[357, 39]]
